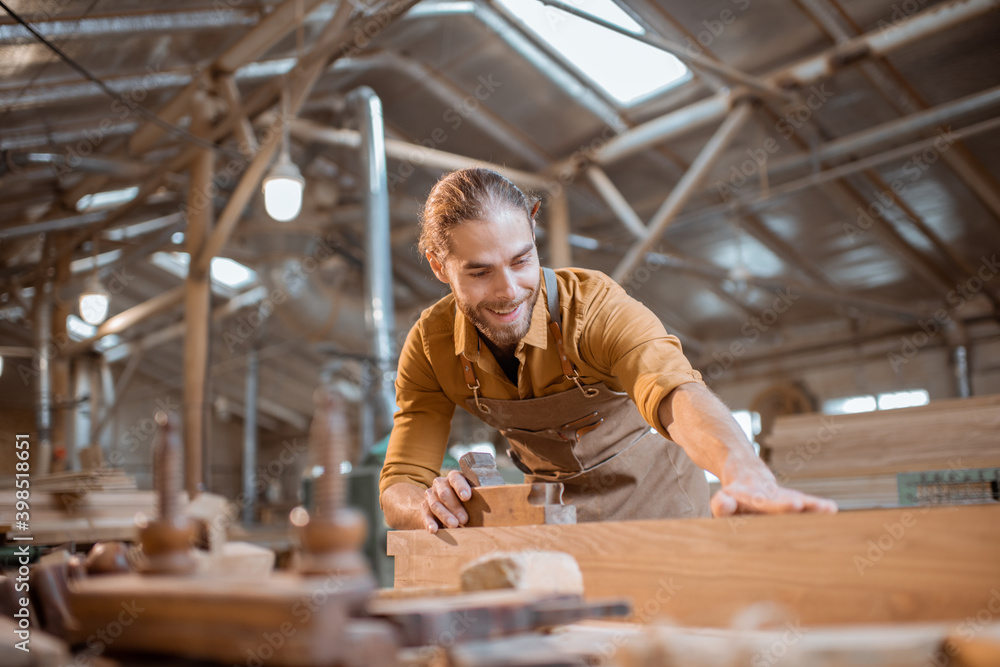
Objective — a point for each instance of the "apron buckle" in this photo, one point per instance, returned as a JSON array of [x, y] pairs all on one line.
[[485, 409], [589, 392]]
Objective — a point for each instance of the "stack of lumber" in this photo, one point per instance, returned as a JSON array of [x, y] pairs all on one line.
[[875, 566], [854, 458], [90, 506]]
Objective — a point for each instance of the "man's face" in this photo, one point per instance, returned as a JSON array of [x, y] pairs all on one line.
[[493, 272]]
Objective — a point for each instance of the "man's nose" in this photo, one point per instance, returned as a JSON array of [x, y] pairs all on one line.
[[505, 286]]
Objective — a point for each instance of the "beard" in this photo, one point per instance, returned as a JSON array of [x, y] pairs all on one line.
[[505, 335]]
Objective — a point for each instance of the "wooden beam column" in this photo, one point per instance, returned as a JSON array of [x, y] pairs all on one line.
[[197, 297]]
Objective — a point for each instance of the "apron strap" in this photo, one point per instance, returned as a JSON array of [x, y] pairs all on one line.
[[555, 322], [552, 295]]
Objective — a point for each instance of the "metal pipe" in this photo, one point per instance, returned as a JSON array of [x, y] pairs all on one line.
[[685, 188], [250, 437], [380, 311], [43, 387], [961, 356]]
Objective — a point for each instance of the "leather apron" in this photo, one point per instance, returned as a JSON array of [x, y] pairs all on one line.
[[593, 440]]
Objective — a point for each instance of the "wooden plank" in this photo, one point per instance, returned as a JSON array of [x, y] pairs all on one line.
[[942, 435], [851, 493], [280, 620], [875, 566]]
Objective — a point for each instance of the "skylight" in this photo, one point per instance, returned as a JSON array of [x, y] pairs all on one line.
[[102, 200], [224, 271], [627, 69]]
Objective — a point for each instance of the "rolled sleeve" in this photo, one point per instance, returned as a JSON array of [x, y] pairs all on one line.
[[625, 337], [421, 425]]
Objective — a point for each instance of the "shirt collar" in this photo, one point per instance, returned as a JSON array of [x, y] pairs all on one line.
[[467, 336]]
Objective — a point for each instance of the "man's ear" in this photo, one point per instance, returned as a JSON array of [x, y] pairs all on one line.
[[438, 268], [534, 211]]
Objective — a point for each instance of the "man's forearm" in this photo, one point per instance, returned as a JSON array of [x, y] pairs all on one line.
[[401, 504], [702, 424]]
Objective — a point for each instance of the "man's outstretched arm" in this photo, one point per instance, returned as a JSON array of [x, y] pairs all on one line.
[[701, 423]]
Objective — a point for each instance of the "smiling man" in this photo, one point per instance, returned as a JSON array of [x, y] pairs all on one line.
[[583, 380]]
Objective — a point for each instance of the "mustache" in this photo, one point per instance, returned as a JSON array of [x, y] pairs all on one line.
[[506, 305]]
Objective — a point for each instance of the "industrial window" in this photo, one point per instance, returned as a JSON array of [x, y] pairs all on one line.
[[867, 402], [627, 69]]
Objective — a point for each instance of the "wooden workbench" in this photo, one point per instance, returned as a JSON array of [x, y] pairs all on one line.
[[874, 566]]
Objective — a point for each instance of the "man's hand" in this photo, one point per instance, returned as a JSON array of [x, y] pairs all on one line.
[[443, 501], [761, 494]]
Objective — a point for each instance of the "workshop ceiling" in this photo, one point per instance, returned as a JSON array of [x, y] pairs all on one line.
[[867, 223]]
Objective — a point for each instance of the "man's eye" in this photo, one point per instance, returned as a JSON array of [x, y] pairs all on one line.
[[523, 260], [479, 275]]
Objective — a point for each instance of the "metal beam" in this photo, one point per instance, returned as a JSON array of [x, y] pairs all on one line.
[[616, 202], [890, 131], [810, 70], [306, 130], [680, 195]]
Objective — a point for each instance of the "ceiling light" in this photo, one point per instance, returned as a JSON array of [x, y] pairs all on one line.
[[283, 189], [94, 302]]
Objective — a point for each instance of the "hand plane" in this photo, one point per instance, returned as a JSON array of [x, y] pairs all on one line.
[[494, 503]]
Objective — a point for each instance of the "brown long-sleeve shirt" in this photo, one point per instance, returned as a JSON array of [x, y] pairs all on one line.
[[609, 336]]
